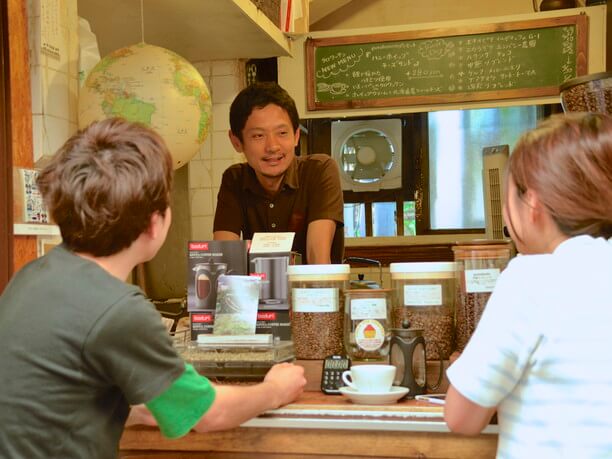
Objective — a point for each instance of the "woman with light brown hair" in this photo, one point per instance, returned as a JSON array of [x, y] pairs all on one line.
[[541, 355]]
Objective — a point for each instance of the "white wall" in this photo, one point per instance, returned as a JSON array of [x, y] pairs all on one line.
[[54, 80], [224, 79]]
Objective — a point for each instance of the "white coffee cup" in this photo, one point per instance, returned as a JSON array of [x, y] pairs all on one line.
[[370, 378]]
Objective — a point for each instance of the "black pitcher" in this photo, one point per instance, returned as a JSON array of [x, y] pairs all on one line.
[[408, 356]]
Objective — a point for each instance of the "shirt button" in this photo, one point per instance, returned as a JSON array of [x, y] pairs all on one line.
[[271, 205], [273, 225]]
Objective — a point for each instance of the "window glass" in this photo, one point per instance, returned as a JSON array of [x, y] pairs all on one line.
[[384, 220], [354, 220], [409, 219], [456, 140]]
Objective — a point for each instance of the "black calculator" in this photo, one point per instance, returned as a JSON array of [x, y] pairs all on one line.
[[331, 378]]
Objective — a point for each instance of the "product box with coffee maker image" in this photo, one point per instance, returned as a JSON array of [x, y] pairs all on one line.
[[269, 256], [206, 262]]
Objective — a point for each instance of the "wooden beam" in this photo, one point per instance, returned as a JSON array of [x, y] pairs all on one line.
[[24, 247], [6, 213]]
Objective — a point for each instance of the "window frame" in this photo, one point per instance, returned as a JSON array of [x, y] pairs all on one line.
[[415, 168]]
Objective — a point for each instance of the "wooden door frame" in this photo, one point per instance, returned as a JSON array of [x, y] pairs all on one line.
[[6, 176], [17, 134]]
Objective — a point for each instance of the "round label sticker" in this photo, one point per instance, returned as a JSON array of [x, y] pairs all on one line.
[[370, 335]]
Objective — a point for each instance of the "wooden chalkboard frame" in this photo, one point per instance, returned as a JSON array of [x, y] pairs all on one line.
[[579, 21]]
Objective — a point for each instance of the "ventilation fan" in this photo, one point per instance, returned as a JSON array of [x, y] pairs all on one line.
[[368, 153], [494, 161]]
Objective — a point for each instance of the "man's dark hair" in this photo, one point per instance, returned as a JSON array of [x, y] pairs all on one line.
[[104, 184], [258, 95]]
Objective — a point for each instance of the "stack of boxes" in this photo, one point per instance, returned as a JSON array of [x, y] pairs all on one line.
[[208, 260]]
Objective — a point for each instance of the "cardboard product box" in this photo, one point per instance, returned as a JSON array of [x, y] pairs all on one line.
[[271, 268], [206, 261], [201, 322], [275, 322]]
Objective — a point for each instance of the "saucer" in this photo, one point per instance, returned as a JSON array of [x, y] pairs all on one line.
[[378, 398]]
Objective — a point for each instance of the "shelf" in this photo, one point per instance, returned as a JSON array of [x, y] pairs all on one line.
[[35, 229], [198, 30]]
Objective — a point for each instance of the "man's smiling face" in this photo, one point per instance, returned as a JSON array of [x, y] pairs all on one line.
[[268, 143]]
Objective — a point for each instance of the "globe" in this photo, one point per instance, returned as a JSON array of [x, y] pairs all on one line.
[[153, 86]]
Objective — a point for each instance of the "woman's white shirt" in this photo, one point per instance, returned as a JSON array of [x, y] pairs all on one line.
[[542, 353]]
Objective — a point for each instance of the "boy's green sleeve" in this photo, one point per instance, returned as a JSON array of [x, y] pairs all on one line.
[[182, 405]]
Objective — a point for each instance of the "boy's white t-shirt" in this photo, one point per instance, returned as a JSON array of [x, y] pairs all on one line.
[[542, 353]]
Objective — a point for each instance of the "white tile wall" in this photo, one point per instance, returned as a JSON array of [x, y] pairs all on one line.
[[224, 80], [205, 152], [73, 100], [222, 146], [225, 88], [205, 69], [54, 81], [36, 89], [55, 131], [56, 93], [220, 114], [201, 228], [199, 174], [37, 135], [229, 67], [201, 202]]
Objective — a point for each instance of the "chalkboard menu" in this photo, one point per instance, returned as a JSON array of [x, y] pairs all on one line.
[[483, 62]]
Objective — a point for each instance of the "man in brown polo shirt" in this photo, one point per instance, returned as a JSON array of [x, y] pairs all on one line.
[[276, 190]]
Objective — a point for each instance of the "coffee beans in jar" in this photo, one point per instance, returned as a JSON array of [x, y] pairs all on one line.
[[478, 264], [317, 309], [588, 93], [424, 296]]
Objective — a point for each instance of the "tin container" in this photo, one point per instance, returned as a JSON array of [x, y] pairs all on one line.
[[478, 266], [424, 297], [317, 309], [367, 322]]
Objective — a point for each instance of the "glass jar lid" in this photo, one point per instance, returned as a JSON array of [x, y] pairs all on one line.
[[601, 76], [318, 270]]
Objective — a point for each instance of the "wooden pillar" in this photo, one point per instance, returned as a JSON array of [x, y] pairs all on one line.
[[24, 247], [6, 214]]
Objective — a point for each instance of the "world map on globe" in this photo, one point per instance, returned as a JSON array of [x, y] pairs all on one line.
[[154, 86]]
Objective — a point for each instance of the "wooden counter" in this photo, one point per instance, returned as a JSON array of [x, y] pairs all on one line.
[[322, 426]]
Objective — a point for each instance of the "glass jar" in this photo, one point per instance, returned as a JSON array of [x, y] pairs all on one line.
[[424, 297], [367, 326], [587, 93], [478, 264], [317, 309]]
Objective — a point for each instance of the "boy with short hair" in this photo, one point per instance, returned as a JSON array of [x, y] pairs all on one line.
[[78, 345]]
